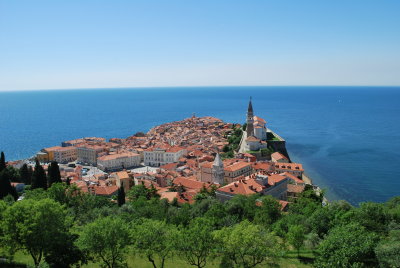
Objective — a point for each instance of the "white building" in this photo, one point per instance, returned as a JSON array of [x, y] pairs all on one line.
[[160, 156], [118, 161], [256, 131], [87, 154]]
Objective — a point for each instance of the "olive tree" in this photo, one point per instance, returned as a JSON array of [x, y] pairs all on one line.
[[105, 238], [35, 226], [246, 245]]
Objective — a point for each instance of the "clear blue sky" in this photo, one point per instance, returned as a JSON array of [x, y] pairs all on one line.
[[94, 43]]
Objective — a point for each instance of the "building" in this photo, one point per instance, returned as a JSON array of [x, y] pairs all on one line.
[[87, 154], [118, 161], [162, 155], [217, 171], [232, 170], [272, 184], [256, 131], [237, 169], [260, 129], [292, 168], [277, 157], [47, 154], [65, 154], [122, 178]]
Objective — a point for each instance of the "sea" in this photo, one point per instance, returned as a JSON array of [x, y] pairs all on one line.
[[347, 138]]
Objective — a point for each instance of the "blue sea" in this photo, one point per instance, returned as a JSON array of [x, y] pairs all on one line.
[[348, 138]]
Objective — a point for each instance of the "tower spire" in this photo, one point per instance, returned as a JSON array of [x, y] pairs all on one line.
[[218, 170], [250, 120], [250, 109]]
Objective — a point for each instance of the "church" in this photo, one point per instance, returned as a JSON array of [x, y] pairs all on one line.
[[255, 136]]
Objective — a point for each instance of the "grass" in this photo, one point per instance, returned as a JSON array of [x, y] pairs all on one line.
[[290, 260]]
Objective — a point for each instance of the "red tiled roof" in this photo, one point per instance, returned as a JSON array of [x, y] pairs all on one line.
[[170, 166], [292, 177], [237, 166], [292, 188], [190, 183], [105, 190], [278, 156], [289, 166], [244, 187]]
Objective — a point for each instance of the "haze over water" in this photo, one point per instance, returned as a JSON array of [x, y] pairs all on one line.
[[348, 138]]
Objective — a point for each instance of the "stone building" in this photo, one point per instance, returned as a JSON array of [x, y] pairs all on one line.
[[218, 170]]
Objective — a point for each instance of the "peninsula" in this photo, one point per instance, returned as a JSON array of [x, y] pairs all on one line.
[[180, 159]]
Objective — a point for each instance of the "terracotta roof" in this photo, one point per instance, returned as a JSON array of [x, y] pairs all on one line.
[[278, 156], [256, 118], [117, 156], [51, 149], [275, 178], [207, 164], [244, 187], [105, 190], [263, 166], [169, 166], [190, 183], [283, 204], [122, 174], [292, 177], [237, 166], [292, 188], [174, 149], [252, 138], [289, 166]]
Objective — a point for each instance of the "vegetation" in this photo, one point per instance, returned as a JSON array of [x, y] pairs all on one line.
[[234, 138], [272, 137], [63, 227], [39, 177], [53, 173], [121, 195]]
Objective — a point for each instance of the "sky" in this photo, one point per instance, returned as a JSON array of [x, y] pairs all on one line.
[[116, 43]]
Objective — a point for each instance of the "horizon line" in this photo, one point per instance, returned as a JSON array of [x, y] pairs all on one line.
[[200, 86]]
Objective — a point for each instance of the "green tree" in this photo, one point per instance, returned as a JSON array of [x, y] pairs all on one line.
[[246, 245], [121, 195], [242, 206], [269, 211], [53, 173], [2, 162], [195, 242], [34, 226], [226, 149], [154, 239], [39, 177], [64, 252], [137, 191], [25, 174], [106, 238], [5, 185], [373, 216], [347, 246], [296, 236], [388, 250]]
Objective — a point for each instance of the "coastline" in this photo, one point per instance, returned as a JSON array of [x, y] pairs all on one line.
[[307, 179]]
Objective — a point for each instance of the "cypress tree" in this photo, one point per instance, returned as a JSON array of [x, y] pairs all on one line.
[[121, 195], [26, 174], [39, 177], [2, 162], [5, 185], [53, 173]]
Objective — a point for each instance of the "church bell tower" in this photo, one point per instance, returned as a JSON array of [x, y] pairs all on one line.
[[218, 170], [250, 120]]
